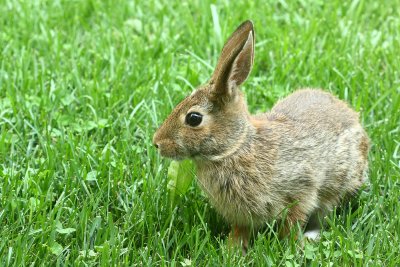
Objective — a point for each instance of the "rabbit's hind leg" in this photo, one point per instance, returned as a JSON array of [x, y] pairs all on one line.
[[314, 225]]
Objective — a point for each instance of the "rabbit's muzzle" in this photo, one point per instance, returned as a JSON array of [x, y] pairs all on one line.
[[168, 148]]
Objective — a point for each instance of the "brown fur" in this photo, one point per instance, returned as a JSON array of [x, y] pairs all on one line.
[[304, 155], [364, 146]]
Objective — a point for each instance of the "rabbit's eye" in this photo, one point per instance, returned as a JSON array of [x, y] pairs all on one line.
[[193, 119]]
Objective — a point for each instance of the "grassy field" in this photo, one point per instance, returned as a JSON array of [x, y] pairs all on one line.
[[84, 85]]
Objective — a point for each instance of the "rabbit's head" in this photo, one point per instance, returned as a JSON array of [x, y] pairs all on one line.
[[213, 121]]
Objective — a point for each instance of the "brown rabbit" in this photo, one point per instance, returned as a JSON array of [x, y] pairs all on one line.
[[302, 157]]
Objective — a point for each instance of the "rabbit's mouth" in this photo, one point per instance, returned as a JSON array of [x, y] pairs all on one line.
[[171, 155], [172, 152]]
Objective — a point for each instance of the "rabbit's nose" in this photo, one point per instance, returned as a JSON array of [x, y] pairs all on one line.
[[156, 141]]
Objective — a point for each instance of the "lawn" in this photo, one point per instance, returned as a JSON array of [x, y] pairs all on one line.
[[84, 85]]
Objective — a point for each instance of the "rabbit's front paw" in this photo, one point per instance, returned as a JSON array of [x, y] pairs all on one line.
[[239, 238]]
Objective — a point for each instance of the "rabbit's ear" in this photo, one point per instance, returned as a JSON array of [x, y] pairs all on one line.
[[236, 60]]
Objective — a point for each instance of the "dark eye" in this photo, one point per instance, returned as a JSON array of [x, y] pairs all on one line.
[[193, 119]]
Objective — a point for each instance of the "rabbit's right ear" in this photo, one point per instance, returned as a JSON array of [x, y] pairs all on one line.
[[235, 62]]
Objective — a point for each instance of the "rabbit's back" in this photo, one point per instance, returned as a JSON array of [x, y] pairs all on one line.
[[317, 108], [322, 148]]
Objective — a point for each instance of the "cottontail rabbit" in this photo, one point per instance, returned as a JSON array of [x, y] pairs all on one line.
[[303, 156]]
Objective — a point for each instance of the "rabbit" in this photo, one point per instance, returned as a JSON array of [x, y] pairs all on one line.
[[303, 157]]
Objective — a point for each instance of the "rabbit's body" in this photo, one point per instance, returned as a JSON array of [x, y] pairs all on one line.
[[302, 157]]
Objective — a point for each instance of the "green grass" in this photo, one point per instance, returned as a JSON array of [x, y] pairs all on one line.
[[84, 84]]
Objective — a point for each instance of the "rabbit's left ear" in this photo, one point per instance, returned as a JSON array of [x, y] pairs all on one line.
[[235, 62]]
